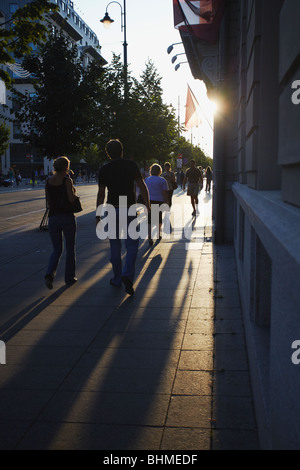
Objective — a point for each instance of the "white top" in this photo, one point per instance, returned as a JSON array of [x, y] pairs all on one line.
[[156, 185]]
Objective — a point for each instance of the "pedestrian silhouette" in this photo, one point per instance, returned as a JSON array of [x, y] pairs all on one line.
[[194, 179], [62, 223], [119, 177], [209, 176], [158, 193], [169, 176]]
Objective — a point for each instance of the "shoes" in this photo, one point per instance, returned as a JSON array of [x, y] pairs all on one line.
[[194, 213], [128, 285], [49, 281], [114, 284], [72, 282], [150, 241]]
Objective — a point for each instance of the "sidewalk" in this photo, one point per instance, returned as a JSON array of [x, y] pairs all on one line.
[[91, 368], [23, 185]]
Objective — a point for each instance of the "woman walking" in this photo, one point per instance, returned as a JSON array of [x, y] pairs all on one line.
[[62, 222], [158, 194], [209, 176]]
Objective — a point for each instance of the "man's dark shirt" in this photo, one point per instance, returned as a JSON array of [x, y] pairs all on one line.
[[119, 176], [193, 175]]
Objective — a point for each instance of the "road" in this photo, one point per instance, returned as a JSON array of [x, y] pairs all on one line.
[[21, 212], [23, 209]]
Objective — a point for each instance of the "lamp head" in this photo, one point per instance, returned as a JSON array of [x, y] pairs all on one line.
[[107, 21]]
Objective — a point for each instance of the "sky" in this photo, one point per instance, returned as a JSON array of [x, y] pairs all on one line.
[[150, 31]]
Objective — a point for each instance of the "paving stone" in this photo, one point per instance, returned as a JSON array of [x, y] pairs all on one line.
[[231, 383], [233, 412], [234, 440], [198, 341], [107, 408], [82, 436], [193, 411], [115, 380], [32, 377], [130, 358], [193, 383], [196, 360], [186, 439]]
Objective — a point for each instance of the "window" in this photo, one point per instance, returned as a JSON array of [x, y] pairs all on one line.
[[13, 7], [16, 130]]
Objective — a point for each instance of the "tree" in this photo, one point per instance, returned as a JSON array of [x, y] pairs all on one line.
[[27, 27], [4, 137], [153, 124], [189, 151], [156, 123], [144, 124], [75, 107], [57, 119]]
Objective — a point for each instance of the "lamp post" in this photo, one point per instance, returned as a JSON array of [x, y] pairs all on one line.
[[107, 21], [178, 65], [171, 47], [176, 56]]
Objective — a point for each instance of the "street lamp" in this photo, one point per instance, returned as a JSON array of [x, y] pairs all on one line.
[[175, 57], [107, 21], [170, 48], [178, 65]]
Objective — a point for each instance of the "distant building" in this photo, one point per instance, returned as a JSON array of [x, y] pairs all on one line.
[[247, 52], [75, 28]]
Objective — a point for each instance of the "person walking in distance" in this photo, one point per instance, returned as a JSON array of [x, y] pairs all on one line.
[[171, 181], [62, 221], [194, 179], [208, 175], [158, 192], [119, 176]]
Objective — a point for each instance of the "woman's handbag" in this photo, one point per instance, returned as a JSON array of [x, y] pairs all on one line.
[[76, 206], [64, 203], [44, 223]]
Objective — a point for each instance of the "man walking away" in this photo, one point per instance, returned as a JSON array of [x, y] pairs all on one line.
[[194, 179], [119, 176]]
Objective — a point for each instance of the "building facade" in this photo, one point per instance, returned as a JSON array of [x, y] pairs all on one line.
[[253, 70], [67, 20]]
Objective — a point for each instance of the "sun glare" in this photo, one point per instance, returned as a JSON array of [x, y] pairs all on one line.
[[213, 105]]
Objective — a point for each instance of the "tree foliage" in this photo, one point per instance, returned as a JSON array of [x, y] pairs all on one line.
[[56, 118], [25, 29], [4, 137], [145, 125], [189, 151], [75, 110]]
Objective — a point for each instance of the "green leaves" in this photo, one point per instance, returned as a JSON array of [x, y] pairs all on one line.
[[27, 27], [76, 110], [4, 136]]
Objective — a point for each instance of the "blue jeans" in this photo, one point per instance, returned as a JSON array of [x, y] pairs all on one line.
[[131, 245], [59, 225]]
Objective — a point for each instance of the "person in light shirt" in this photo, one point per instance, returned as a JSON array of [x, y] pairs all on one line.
[[158, 194]]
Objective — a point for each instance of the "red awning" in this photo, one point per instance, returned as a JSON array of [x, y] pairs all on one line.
[[201, 18]]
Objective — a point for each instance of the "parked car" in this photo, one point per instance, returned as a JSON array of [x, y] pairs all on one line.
[[4, 181]]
